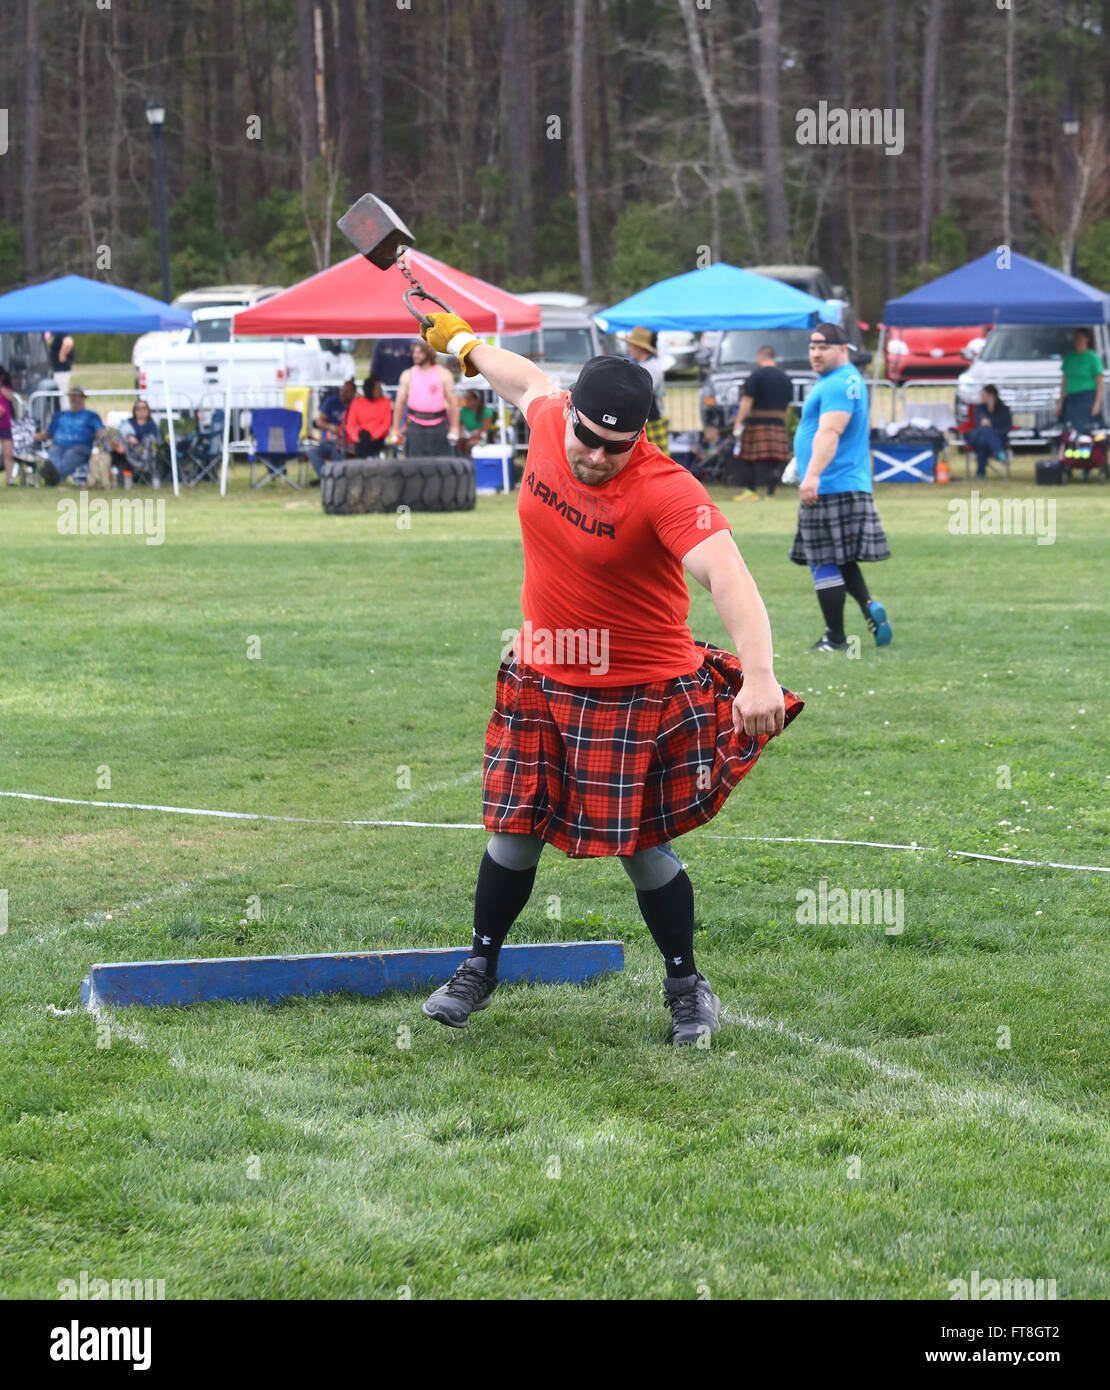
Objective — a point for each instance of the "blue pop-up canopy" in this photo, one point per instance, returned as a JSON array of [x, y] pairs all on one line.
[[1000, 287], [717, 297], [73, 304], [78, 305]]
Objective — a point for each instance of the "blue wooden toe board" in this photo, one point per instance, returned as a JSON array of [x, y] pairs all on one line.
[[270, 978]]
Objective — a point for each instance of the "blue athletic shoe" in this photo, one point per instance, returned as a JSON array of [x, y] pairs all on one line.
[[878, 625]]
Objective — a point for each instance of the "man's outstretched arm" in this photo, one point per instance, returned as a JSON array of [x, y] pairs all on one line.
[[513, 377], [717, 566]]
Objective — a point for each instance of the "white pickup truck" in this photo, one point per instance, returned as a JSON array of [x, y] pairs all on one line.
[[196, 365]]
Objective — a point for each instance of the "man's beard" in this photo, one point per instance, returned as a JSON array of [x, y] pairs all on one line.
[[589, 478]]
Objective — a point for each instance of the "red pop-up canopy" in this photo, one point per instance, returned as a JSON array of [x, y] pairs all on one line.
[[356, 300]]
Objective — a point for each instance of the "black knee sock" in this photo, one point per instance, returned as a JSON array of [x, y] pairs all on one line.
[[498, 901], [856, 585], [669, 914], [832, 606]]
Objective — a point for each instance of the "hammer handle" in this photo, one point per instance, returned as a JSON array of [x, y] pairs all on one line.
[[421, 293]]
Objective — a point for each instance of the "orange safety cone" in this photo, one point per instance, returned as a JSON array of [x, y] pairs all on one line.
[[942, 470]]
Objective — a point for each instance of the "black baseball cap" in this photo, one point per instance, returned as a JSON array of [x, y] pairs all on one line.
[[831, 332], [614, 392]]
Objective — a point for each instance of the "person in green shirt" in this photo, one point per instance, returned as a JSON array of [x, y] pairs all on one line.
[[1080, 404], [476, 419]]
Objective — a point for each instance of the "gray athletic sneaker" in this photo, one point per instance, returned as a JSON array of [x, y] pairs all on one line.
[[695, 1009], [468, 990]]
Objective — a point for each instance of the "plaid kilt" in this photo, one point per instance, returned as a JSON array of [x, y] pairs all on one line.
[[765, 441], [838, 528], [658, 432], [596, 771]]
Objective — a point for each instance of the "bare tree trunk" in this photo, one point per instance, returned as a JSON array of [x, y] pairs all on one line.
[[347, 97], [114, 68], [552, 77], [602, 141], [716, 248], [855, 284], [774, 188], [32, 94], [1008, 137], [227, 136], [375, 39], [84, 179], [890, 186], [834, 79], [306, 59], [717, 125], [578, 148], [519, 130], [928, 130], [318, 78]]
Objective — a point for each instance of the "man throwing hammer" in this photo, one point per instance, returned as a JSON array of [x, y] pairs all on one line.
[[613, 731]]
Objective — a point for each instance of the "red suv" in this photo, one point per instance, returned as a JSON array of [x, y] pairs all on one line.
[[928, 352]]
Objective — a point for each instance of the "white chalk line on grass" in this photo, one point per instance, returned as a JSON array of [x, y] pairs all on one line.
[[963, 1097], [476, 825]]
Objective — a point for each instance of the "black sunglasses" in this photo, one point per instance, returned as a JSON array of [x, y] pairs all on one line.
[[595, 441]]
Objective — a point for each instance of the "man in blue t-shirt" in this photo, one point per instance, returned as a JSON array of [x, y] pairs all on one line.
[[72, 432], [838, 525], [333, 411]]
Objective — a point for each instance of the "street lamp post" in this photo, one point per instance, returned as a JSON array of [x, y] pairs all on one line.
[[1069, 124], [156, 117]]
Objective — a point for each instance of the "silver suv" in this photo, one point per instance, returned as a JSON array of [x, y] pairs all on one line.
[[1023, 361], [733, 361], [566, 339]]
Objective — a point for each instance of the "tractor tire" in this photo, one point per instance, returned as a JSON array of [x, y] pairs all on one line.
[[349, 486]]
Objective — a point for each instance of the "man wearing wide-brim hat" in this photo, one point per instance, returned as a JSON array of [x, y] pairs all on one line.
[[642, 348], [72, 433]]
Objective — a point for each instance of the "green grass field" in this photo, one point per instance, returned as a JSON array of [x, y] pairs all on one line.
[[859, 1128]]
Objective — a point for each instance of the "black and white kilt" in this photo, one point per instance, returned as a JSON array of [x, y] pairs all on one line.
[[840, 527]]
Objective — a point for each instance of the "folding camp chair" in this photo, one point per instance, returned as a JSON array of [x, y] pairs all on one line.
[[199, 455], [277, 435]]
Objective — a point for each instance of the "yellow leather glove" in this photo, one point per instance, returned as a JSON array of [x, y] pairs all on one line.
[[451, 334]]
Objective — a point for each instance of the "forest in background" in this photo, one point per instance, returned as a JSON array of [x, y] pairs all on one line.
[[589, 145]]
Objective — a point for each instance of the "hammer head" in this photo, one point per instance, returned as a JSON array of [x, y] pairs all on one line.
[[375, 229]]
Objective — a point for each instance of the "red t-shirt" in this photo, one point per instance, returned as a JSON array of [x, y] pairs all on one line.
[[604, 596], [373, 416]]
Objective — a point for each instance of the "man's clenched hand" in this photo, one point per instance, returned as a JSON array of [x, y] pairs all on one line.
[[759, 708]]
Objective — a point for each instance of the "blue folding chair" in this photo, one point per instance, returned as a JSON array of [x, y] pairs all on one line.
[[277, 435]]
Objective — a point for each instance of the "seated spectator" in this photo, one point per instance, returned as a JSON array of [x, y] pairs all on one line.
[[333, 412], [477, 420], [990, 437], [72, 433], [390, 358], [7, 396], [369, 419], [135, 444]]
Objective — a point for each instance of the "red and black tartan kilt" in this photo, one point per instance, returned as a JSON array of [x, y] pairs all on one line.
[[765, 441], [597, 771]]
